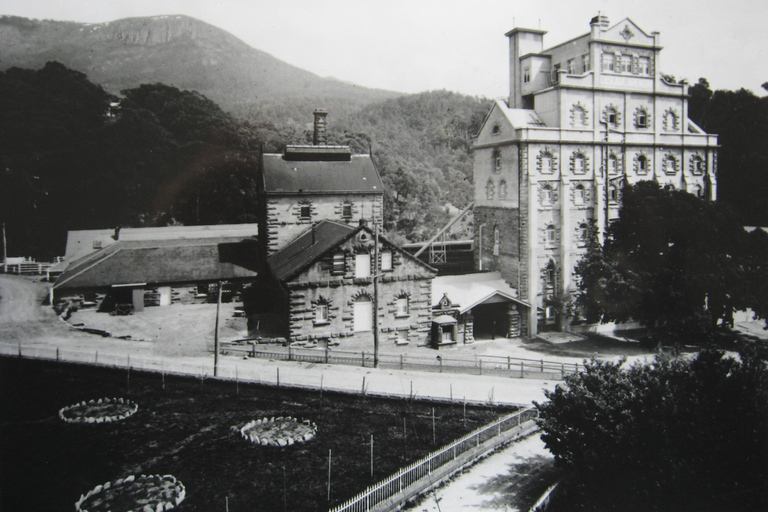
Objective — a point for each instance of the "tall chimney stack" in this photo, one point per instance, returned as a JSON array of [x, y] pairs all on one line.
[[318, 136]]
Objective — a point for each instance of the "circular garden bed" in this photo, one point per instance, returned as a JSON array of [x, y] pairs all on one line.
[[278, 431], [103, 410], [147, 493]]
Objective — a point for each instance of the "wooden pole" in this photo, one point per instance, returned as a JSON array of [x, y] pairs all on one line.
[[329, 476], [434, 438], [375, 294], [371, 456], [216, 335]]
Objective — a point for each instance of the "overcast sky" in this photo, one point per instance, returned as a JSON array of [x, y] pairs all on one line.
[[458, 45]]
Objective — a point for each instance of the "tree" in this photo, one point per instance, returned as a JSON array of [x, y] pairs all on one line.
[[672, 435], [671, 260]]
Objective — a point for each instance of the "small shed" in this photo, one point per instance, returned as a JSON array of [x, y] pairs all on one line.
[[475, 306]]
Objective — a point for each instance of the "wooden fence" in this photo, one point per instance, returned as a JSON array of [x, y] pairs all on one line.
[[477, 365]]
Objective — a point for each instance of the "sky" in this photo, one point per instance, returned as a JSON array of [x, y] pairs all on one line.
[[459, 45]]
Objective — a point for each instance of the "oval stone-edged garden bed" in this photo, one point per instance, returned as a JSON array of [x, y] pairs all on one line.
[[103, 410], [278, 431], [147, 493]]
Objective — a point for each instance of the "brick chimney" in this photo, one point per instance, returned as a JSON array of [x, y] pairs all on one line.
[[318, 136]]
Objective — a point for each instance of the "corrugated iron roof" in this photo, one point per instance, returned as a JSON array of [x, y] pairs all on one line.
[[163, 261]]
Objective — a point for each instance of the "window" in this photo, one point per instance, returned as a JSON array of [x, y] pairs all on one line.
[[554, 73], [496, 129], [613, 164], [321, 314], [612, 116], [583, 232], [644, 65], [671, 122], [607, 62], [496, 161], [579, 195], [698, 166], [641, 118], [97, 244], [642, 164], [585, 62], [490, 190], [669, 164], [339, 266], [503, 189], [579, 166], [363, 265], [551, 235], [546, 163], [386, 260], [578, 116], [626, 63], [613, 194], [526, 75], [402, 306], [571, 67], [346, 211], [547, 195], [305, 212], [496, 241]]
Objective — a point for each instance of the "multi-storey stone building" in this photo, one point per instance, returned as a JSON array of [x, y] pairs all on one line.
[[309, 183], [583, 118]]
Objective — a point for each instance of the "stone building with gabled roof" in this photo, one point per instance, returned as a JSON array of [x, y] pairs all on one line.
[[323, 285], [309, 183]]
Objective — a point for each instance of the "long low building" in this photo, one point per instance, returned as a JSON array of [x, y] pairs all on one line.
[[131, 274]]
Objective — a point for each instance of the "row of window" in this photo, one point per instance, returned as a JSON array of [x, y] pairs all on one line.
[[641, 119], [322, 307], [305, 212], [362, 263]]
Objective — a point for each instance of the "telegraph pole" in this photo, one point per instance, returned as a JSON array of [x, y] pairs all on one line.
[[216, 335], [375, 294]]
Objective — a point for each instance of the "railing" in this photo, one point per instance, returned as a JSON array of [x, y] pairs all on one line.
[[400, 481], [477, 365]]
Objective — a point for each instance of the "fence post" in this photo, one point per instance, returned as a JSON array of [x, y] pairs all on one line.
[[401, 361], [522, 370], [562, 370], [57, 354], [363, 361], [542, 366], [509, 363]]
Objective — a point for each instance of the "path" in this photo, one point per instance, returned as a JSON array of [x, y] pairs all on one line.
[[510, 480]]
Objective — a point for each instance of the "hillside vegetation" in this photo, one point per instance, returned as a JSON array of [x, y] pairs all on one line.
[[71, 161]]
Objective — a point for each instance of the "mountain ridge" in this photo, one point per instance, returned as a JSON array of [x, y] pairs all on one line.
[[177, 50]]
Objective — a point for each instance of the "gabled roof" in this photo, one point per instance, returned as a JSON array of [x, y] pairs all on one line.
[[317, 170], [469, 290], [163, 261], [515, 117], [326, 235]]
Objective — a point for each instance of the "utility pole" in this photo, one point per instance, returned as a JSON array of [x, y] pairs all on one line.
[[5, 252], [216, 335], [375, 294]]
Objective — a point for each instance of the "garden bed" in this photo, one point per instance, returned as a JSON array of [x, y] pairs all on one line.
[[192, 429]]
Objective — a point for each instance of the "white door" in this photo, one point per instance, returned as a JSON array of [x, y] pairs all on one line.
[[165, 295], [363, 314]]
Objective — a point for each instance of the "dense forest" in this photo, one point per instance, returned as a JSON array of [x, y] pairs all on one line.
[[73, 156]]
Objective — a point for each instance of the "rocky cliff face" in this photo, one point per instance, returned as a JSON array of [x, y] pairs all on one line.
[[175, 50]]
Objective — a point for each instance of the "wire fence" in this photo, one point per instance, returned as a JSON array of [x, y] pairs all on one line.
[[332, 379], [423, 468], [502, 366]]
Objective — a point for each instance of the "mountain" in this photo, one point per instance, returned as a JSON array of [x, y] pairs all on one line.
[[183, 52]]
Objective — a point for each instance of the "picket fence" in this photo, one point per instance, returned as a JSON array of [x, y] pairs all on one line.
[[400, 481]]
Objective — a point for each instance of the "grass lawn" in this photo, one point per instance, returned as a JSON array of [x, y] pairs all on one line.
[[186, 430]]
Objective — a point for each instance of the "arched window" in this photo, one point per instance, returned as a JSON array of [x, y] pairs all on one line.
[[579, 195], [490, 190], [671, 121], [551, 234], [583, 232], [496, 241], [363, 314], [503, 189], [496, 160], [698, 166], [546, 164], [642, 165], [547, 195], [579, 164], [669, 164], [642, 119], [613, 164], [579, 116], [612, 116]]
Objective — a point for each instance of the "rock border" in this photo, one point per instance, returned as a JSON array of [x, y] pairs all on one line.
[[280, 441], [132, 408], [159, 506]]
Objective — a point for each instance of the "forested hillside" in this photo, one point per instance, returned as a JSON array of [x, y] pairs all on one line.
[[69, 160]]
